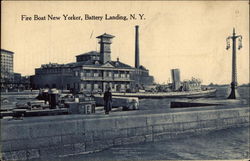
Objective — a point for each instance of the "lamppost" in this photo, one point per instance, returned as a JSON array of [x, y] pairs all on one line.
[[234, 77]]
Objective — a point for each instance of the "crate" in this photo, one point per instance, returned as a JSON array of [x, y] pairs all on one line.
[[80, 107], [86, 108]]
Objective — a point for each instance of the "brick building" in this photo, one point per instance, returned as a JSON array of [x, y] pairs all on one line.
[[93, 71]]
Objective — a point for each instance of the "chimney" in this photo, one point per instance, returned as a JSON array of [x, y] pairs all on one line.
[[137, 58]]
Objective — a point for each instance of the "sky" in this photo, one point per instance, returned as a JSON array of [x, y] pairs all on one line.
[[190, 36]]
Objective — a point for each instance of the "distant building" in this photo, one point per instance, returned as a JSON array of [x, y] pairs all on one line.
[[25, 82], [141, 77], [191, 85], [21, 82], [93, 71], [7, 74], [176, 80], [17, 78]]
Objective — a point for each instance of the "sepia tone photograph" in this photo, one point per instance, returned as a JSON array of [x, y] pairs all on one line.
[[124, 80]]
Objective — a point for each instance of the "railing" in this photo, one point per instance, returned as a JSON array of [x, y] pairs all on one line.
[[91, 78], [106, 78], [121, 79]]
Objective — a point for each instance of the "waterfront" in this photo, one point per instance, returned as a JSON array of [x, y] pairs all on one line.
[[224, 144], [221, 93]]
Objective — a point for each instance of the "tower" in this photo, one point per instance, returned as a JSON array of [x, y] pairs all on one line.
[[105, 50], [137, 56]]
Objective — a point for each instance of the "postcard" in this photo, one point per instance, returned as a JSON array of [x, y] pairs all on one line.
[[124, 80]]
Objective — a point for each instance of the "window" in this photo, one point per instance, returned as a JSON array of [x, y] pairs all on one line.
[[88, 86], [123, 75], [109, 74], [82, 86], [88, 74], [96, 74], [81, 74], [96, 86]]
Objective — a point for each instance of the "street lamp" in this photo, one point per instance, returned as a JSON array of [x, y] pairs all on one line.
[[234, 76]]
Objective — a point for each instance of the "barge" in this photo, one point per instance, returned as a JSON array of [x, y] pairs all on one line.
[[182, 94]]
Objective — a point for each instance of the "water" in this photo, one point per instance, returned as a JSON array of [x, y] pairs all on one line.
[[241, 92], [224, 144], [221, 93]]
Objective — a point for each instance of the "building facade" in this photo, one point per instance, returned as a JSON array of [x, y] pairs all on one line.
[[7, 74], [141, 77], [93, 71], [53, 75]]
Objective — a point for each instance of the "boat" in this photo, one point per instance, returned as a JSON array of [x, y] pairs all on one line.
[[181, 94], [128, 103]]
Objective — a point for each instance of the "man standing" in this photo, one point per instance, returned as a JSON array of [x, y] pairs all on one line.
[[107, 101]]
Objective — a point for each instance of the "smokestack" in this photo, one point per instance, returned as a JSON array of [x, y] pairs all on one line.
[[137, 58]]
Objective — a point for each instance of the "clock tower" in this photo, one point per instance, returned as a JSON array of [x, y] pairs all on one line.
[[105, 51]]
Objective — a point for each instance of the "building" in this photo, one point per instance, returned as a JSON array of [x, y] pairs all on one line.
[[53, 75], [93, 72], [176, 80], [21, 82], [191, 85], [25, 82], [7, 74], [17, 78]]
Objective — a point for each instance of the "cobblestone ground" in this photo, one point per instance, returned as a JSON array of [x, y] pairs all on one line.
[[223, 144]]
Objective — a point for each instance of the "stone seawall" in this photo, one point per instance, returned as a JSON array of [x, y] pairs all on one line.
[[58, 136]]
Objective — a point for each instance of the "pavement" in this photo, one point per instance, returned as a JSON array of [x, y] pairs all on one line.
[[224, 104]]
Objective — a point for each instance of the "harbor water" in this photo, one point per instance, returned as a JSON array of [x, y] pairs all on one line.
[[221, 93], [230, 143], [219, 145]]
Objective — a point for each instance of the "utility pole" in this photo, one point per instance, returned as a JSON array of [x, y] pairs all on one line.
[[234, 74]]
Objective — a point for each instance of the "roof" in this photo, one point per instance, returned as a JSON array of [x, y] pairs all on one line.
[[116, 64], [105, 35], [88, 62], [7, 51], [142, 67], [90, 53], [119, 64]]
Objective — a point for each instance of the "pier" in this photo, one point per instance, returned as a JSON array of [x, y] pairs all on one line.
[[51, 137]]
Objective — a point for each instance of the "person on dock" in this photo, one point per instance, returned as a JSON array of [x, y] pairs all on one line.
[[107, 101]]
